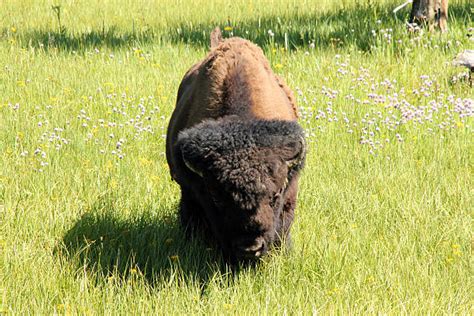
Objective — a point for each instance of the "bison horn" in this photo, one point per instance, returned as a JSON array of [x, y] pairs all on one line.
[[293, 162], [191, 167]]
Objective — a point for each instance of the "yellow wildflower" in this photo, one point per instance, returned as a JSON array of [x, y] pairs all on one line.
[[278, 66], [13, 29], [86, 163], [155, 179], [144, 162], [456, 250], [174, 258], [113, 183], [228, 28], [334, 291], [108, 166]]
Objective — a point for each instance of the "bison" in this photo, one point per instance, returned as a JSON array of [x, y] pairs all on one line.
[[235, 148]]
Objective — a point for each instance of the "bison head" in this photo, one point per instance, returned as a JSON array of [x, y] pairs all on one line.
[[241, 174]]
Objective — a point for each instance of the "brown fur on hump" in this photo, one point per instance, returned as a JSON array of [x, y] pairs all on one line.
[[242, 81]]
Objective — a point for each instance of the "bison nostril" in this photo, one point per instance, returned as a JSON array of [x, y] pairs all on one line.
[[253, 249]]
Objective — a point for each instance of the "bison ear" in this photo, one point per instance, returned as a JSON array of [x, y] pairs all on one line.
[[295, 153]]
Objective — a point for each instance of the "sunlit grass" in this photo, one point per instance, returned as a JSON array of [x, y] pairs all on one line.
[[88, 213]]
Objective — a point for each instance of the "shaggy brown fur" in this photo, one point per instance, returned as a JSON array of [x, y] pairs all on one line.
[[234, 147]]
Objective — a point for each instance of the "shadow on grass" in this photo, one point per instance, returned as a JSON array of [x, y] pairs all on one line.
[[147, 244], [338, 28], [65, 41], [343, 27]]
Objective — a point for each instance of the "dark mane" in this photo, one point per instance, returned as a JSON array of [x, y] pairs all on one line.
[[225, 135]]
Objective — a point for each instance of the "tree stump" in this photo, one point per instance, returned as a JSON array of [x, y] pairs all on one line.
[[434, 13]]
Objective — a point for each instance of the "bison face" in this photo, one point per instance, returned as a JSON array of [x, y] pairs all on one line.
[[239, 173]]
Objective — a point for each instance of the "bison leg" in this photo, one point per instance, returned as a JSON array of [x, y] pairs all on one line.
[[190, 214]]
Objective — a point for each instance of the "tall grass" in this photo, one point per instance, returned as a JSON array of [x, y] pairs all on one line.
[[88, 213]]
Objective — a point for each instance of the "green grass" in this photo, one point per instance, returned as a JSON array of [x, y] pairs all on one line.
[[87, 226]]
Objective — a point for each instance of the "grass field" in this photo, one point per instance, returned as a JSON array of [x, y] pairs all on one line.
[[88, 213]]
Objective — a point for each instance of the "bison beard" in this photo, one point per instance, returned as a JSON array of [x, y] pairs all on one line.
[[235, 148]]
